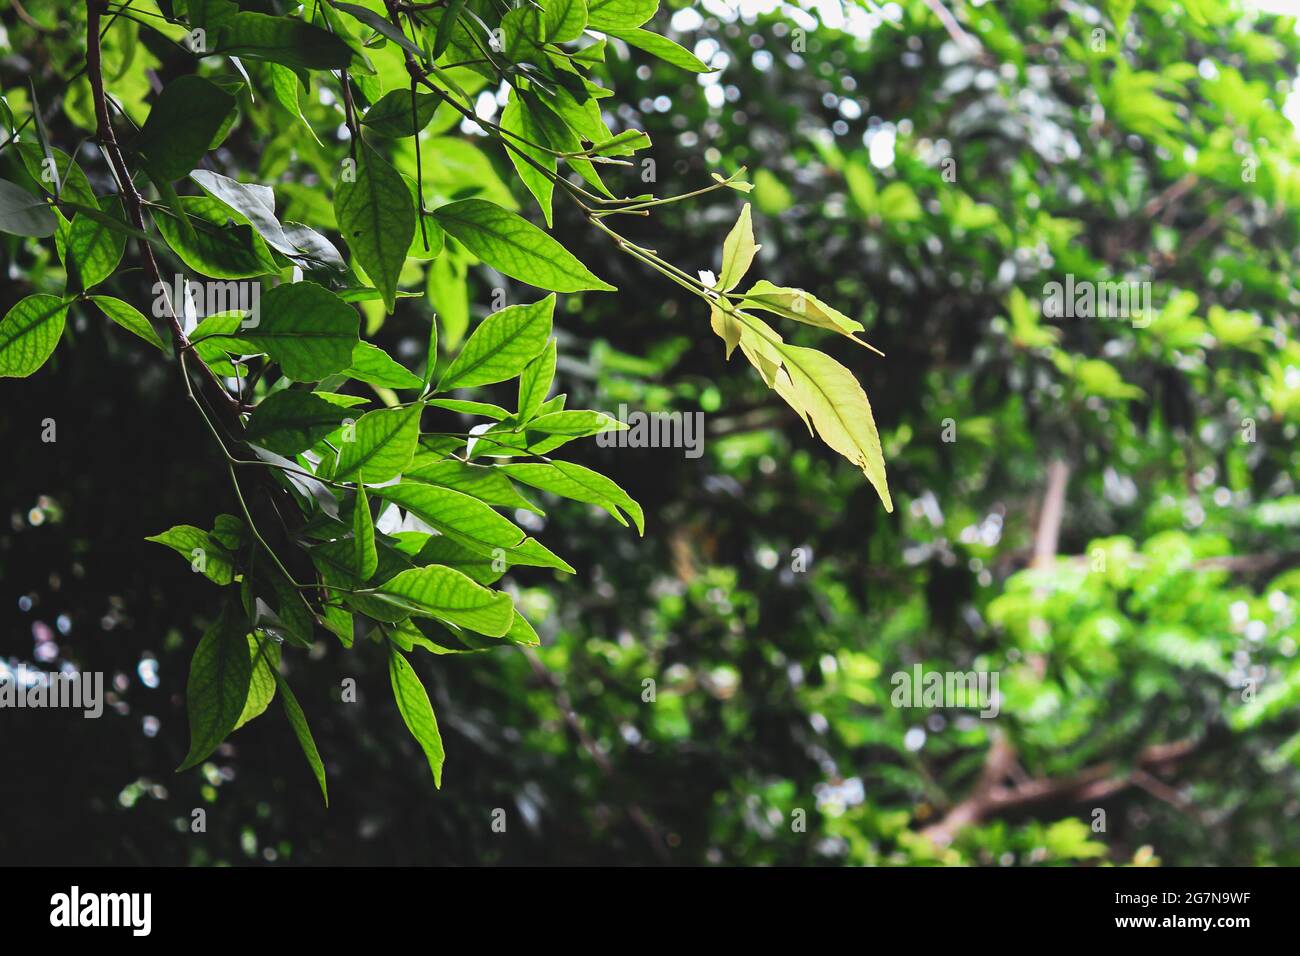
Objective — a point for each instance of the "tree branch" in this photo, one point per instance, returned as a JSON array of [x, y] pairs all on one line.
[[131, 197]]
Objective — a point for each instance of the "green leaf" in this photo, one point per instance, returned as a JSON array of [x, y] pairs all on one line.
[[521, 632], [182, 125], [382, 446], [287, 90], [292, 43], [365, 558], [501, 346], [661, 47], [738, 251], [466, 407], [220, 675], [535, 382], [827, 392], [377, 218], [447, 27], [449, 295], [448, 595], [802, 307], [569, 480], [565, 20], [487, 484], [62, 177], [28, 334], [526, 156], [309, 330], [439, 549], [413, 704], [265, 656], [374, 366], [574, 423], [1120, 11], [291, 421], [391, 115], [620, 14], [210, 244], [625, 143], [255, 205], [461, 517], [380, 25], [129, 318], [722, 318], [516, 247], [298, 721], [23, 214], [532, 553], [90, 248], [205, 554]]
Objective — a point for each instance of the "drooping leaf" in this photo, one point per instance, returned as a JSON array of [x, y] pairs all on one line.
[[839, 410], [287, 90], [129, 318], [413, 704], [377, 219], [264, 654], [525, 153], [365, 558], [217, 690], [298, 721], [522, 632], [379, 24]]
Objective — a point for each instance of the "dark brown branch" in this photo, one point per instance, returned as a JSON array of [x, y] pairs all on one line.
[[132, 200], [993, 796]]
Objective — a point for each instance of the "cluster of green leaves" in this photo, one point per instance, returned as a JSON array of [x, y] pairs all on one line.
[[390, 498]]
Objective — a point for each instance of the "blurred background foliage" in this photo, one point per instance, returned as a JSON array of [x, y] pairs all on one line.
[[929, 169]]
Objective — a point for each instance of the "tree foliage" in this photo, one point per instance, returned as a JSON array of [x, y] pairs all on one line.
[[1099, 510]]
